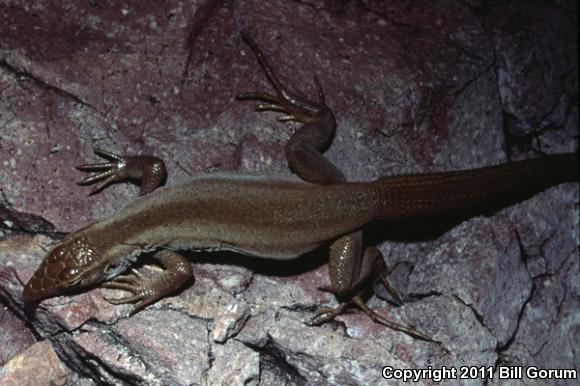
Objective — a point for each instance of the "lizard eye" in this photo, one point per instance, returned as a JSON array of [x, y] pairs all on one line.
[[68, 273]]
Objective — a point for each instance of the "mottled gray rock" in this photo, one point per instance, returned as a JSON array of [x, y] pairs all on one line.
[[415, 86], [37, 365], [536, 89], [14, 336]]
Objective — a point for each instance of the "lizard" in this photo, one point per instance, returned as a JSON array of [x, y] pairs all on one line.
[[270, 217]]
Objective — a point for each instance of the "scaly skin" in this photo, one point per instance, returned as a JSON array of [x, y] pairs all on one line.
[[272, 217]]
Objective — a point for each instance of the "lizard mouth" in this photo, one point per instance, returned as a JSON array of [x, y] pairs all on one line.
[[32, 294], [44, 282], [39, 287], [60, 270]]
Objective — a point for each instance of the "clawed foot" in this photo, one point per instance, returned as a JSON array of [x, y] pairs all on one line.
[[375, 317], [176, 273], [149, 170], [395, 297], [110, 172], [294, 107], [141, 288], [327, 314]]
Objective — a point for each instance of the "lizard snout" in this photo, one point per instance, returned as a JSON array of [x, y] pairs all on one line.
[[48, 278], [34, 291], [60, 270]]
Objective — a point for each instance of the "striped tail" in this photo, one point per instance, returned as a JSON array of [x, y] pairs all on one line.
[[420, 195]]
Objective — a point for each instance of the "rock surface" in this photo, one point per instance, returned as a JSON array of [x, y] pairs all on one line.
[[415, 86]]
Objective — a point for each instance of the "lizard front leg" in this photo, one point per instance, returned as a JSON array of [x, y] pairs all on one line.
[[349, 269], [149, 171], [176, 273]]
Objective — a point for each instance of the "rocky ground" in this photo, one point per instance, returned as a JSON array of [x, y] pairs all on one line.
[[416, 87]]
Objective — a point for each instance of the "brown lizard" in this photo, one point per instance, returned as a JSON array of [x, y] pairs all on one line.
[[271, 217]]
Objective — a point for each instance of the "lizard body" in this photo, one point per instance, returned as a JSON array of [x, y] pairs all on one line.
[[282, 218], [272, 217]]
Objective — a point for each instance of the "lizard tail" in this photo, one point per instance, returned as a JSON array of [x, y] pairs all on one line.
[[420, 195]]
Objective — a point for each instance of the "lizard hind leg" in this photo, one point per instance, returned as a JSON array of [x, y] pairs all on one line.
[[295, 107], [350, 272], [350, 269], [304, 149]]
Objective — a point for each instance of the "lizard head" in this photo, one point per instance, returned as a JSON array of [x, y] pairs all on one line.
[[70, 264]]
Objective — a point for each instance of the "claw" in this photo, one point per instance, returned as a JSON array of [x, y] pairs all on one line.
[[132, 280], [297, 108], [142, 295], [272, 107], [287, 118], [261, 96], [119, 286], [327, 314], [375, 317], [391, 290], [103, 184], [126, 299], [109, 171], [321, 98], [265, 66], [105, 154], [96, 177], [142, 304], [97, 166]]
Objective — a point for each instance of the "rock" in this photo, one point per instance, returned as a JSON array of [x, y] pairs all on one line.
[[416, 87]]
